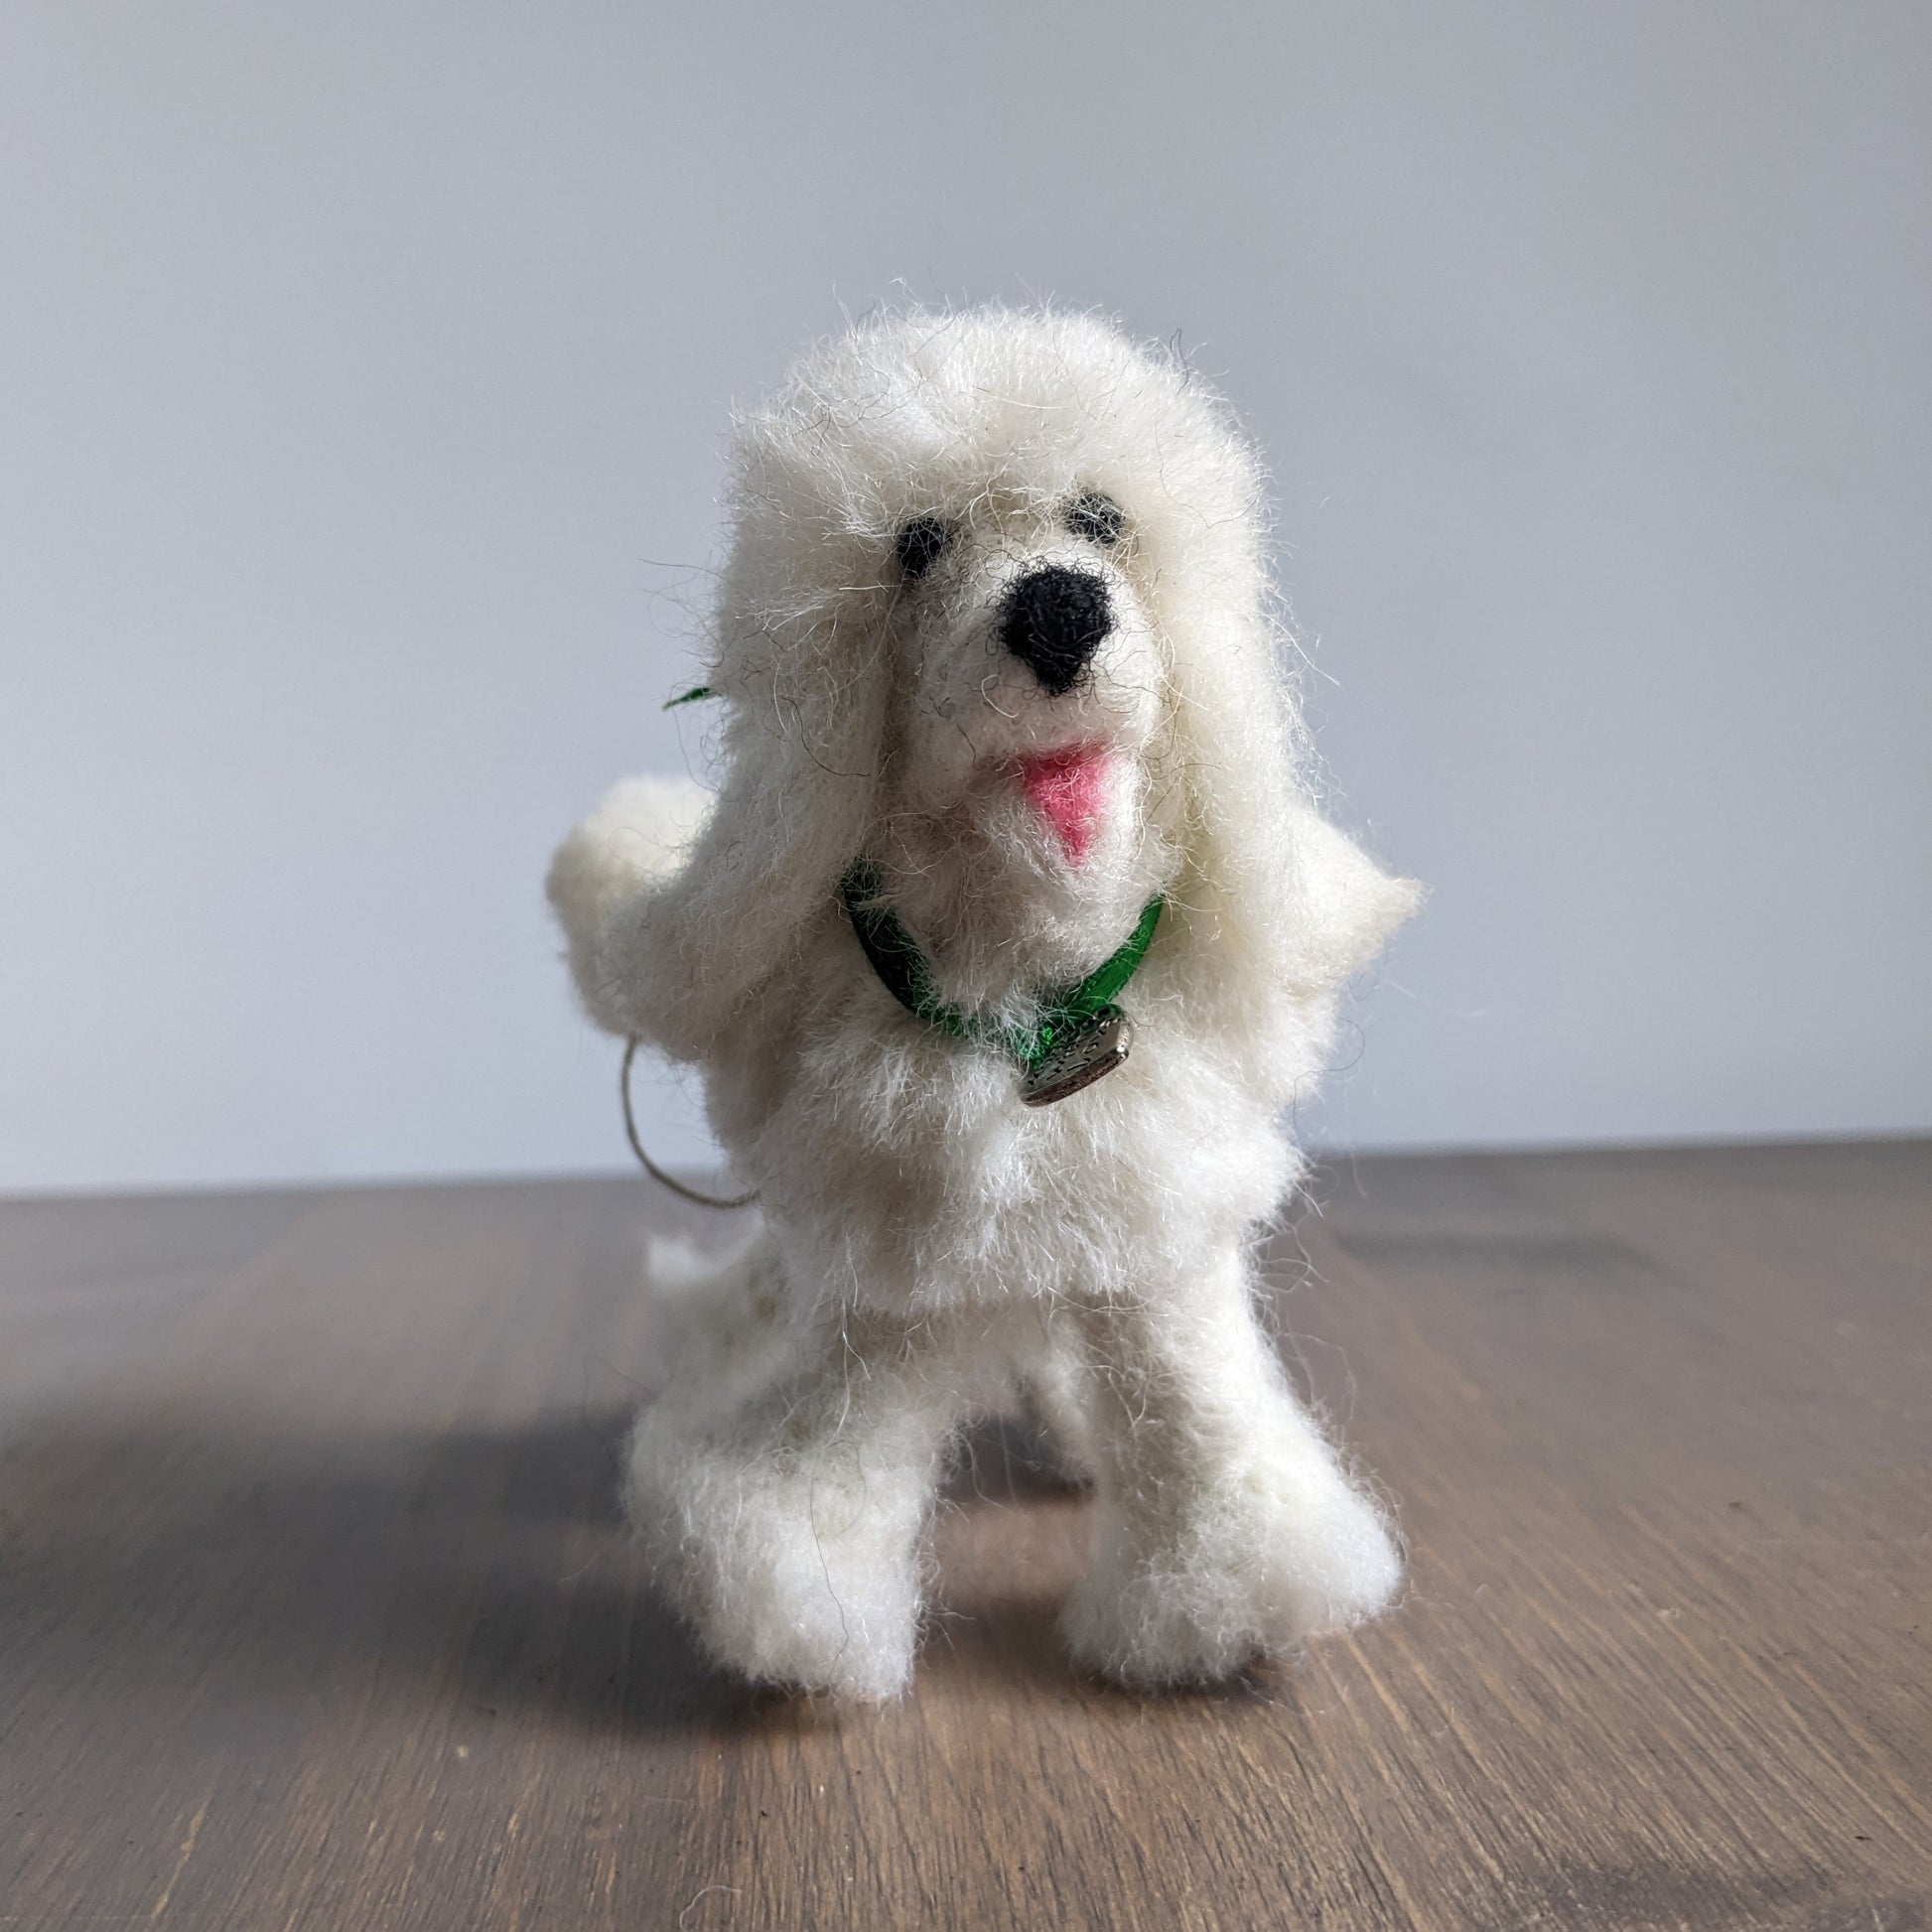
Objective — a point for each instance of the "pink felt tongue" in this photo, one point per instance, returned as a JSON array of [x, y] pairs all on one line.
[[1068, 789]]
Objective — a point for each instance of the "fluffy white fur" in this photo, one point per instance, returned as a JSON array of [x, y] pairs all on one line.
[[931, 1248]]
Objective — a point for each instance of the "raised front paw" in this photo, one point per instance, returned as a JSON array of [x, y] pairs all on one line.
[[1191, 1583]]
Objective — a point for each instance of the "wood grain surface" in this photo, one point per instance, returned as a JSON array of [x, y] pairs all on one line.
[[314, 1612]]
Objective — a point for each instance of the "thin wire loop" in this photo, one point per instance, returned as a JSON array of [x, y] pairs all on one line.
[[649, 1165]]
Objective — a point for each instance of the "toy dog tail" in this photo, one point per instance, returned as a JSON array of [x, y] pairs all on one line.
[[637, 839]]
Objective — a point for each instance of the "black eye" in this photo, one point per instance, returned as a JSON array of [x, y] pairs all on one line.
[[920, 544], [1096, 518]]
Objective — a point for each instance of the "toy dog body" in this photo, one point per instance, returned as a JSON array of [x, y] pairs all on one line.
[[993, 632]]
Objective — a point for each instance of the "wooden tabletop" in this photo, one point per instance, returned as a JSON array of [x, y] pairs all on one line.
[[316, 1612]]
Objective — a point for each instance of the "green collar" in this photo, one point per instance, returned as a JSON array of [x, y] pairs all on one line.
[[900, 963]]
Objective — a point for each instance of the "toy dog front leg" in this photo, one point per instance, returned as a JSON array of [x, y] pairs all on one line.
[[788, 1523], [1227, 1529]]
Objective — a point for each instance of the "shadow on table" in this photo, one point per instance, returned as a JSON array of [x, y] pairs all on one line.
[[232, 1573]]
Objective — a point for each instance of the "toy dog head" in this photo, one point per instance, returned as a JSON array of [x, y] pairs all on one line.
[[994, 614]]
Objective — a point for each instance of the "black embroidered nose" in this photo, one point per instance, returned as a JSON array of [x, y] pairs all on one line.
[[1053, 624]]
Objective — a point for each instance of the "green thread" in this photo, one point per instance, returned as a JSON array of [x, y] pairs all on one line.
[[907, 974], [689, 697]]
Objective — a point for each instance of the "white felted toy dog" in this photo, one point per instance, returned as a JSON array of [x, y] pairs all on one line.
[[1009, 778]]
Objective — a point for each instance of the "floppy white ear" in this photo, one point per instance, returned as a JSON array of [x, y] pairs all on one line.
[[1285, 907], [800, 664]]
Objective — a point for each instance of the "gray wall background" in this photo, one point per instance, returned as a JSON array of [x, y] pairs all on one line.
[[362, 375]]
